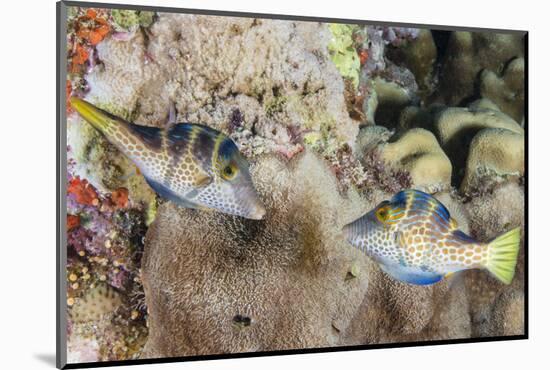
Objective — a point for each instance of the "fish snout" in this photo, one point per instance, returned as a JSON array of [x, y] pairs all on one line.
[[250, 199], [257, 212], [253, 208], [347, 230], [356, 230]]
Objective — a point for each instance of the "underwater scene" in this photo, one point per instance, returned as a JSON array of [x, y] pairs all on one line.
[[239, 184]]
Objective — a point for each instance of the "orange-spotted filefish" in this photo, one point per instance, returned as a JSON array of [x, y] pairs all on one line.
[[191, 165], [414, 239]]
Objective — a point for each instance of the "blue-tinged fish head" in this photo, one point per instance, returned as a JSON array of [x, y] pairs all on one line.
[[235, 190], [372, 228]]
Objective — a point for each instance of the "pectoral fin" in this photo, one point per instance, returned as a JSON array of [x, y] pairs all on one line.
[[203, 179]]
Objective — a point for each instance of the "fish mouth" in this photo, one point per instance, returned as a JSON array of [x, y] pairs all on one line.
[[354, 230], [257, 213], [247, 195], [347, 230]]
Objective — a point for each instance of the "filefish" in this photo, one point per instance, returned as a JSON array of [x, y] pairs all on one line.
[[414, 239], [191, 165]]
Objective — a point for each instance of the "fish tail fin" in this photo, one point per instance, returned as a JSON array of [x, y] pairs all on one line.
[[102, 120], [119, 131], [503, 254]]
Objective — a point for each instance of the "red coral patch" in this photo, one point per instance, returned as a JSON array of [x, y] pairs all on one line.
[[84, 192], [120, 197], [72, 222]]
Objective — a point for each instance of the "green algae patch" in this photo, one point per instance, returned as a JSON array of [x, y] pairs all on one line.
[[275, 105], [127, 20], [343, 53], [151, 212]]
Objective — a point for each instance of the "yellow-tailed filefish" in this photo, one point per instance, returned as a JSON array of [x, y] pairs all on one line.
[[414, 239], [191, 165]]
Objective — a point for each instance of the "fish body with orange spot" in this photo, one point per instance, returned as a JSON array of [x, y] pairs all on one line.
[[414, 239], [191, 165]]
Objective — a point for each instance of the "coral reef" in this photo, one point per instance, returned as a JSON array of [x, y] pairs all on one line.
[[478, 141], [87, 29], [418, 152], [343, 53], [98, 301], [397, 312], [385, 88], [377, 174], [334, 119], [506, 91], [391, 99], [469, 53], [104, 241], [413, 116], [495, 155], [279, 90], [128, 20], [419, 55]]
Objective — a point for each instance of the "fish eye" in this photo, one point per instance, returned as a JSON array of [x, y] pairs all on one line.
[[229, 172], [382, 214]]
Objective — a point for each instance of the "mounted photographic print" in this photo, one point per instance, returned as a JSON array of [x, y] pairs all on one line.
[[235, 184]]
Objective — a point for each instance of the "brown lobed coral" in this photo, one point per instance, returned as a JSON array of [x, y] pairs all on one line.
[[418, 152], [507, 91], [485, 145], [469, 53], [216, 283]]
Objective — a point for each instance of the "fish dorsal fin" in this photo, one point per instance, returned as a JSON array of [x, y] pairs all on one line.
[[462, 237], [416, 199], [172, 115]]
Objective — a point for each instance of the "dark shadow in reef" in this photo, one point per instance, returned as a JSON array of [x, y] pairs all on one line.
[[457, 150], [441, 39]]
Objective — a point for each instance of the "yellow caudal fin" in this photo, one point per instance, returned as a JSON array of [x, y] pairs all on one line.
[[503, 255], [100, 119]]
